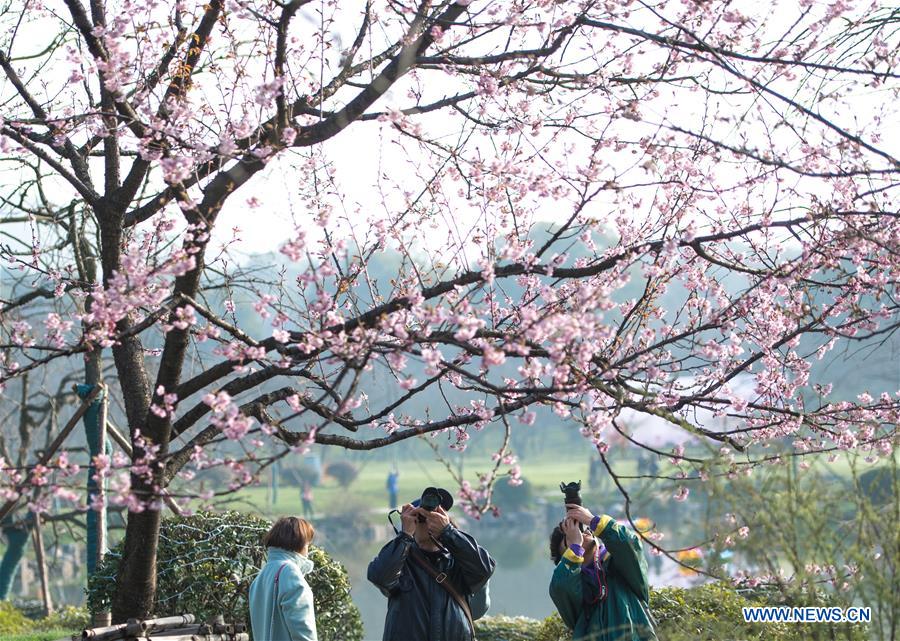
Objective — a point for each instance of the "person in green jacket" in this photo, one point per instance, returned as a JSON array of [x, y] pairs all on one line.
[[600, 584], [281, 601]]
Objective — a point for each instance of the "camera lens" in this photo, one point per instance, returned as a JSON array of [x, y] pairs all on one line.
[[431, 499]]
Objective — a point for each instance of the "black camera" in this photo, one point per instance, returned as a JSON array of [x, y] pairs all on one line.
[[572, 492], [432, 499]]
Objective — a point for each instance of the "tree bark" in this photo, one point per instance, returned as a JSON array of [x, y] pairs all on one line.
[[136, 580]]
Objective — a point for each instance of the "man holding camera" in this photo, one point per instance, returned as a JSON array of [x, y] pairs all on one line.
[[434, 575]]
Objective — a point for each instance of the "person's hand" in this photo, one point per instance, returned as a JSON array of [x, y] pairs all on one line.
[[408, 515], [572, 531], [436, 521], [579, 513]]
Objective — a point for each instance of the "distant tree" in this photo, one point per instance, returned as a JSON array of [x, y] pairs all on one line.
[[344, 472], [512, 498], [298, 472]]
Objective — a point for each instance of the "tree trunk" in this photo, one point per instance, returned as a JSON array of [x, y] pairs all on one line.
[[136, 580]]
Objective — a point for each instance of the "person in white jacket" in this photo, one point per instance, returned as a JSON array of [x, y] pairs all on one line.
[[281, 601]]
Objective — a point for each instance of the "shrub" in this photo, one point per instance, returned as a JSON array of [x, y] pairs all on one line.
[[206, 563], [703, 613], [15, 621], [337, 618], [12, 620], [344, 472], [553, 629], [503, 628], [712, 612], [513, 498], [68, 618]]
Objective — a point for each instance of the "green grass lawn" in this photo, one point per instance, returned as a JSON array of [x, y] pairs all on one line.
[[369, 487], [48, 635], [368, 491]]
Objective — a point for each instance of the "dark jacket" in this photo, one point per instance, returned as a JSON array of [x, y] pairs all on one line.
[[419, 609], [624, 615]]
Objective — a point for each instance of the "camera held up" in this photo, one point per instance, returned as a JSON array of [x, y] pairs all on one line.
[[572, 492]]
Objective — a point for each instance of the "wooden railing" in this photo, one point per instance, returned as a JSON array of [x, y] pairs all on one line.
[[176, 628]]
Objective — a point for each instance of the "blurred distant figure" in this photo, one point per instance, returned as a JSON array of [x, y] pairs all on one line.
[[647, 464], [306, 497], [592, 473], [653, 464], [596, 474], [393, 487]]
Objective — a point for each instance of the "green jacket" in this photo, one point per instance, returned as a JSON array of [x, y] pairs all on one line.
[[624, 615]]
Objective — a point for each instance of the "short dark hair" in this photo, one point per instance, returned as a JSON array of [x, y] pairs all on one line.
[[289, 533], [557, 536]]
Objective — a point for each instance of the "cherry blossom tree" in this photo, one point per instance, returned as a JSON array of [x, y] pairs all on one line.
[[593, 209]]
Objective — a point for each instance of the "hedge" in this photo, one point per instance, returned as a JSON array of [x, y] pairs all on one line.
[[706, 613], [14, 621], [206, 563], [504, 628]]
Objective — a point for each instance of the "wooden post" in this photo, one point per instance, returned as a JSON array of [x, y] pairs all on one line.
[[103, 617], [101, 486], [42, 565]]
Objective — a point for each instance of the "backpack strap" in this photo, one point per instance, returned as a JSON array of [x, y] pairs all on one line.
[[277, 574], [441, 579], [275, 601]]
